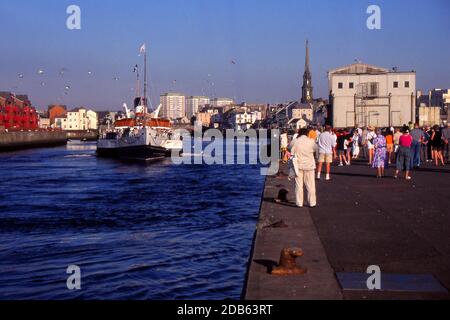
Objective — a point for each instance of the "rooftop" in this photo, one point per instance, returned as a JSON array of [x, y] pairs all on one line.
[[363, 68], [77, 109], [198, 97], [172, 94]]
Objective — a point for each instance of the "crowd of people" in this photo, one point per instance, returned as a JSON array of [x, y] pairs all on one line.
[[310, 150]]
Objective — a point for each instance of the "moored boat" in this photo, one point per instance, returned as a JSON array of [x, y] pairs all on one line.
[[141, 136]]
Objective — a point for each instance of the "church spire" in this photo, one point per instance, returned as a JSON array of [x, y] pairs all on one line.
[[307, 88], [307, 57]]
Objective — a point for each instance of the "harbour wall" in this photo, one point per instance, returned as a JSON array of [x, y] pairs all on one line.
[[10, 141], [82, 135]]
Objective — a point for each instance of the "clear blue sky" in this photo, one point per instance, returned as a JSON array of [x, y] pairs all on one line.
[[191, 44]]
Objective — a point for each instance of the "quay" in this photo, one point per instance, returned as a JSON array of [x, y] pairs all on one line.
[[83, 135], [10, 141], [401, 226]]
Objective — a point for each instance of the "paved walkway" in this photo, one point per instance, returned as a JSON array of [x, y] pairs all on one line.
[[401, 226], [318, 283]]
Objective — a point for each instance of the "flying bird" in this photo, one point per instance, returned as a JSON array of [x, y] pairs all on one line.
[[62, 71]]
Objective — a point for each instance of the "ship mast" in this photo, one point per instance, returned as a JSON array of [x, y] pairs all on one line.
[[138, 83], [145, 87]]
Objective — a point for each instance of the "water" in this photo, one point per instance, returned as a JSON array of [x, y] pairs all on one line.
[[137, 231]]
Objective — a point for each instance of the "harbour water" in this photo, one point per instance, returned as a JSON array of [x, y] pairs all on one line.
[[158, 231]]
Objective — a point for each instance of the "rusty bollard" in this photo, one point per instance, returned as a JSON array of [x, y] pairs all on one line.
[[288, 265]]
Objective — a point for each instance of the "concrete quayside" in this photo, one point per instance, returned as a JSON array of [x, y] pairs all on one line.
[[10, 141], [360, 221]]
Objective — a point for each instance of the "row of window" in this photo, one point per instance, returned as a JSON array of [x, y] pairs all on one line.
[[351, 85]]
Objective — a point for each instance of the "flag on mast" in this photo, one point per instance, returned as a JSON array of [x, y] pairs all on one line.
[[143, 49]]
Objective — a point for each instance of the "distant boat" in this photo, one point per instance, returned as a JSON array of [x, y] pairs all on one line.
[[141, 135]]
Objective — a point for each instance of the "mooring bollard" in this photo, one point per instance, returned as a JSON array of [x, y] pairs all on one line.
[[288, 265]]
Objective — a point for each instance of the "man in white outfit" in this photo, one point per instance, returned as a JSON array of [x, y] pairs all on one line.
[[303, 149], [327, 142]]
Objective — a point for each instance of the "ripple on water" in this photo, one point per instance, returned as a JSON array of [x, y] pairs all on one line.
[[138, 232]]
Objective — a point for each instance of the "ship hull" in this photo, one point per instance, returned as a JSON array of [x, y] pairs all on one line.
[[143, 153]]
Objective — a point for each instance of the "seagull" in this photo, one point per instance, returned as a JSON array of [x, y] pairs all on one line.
[[62, 71]]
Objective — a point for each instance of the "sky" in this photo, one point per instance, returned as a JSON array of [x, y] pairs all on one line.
[[249, 50]]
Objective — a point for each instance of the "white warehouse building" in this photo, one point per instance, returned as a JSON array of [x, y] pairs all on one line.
[[79, 119], [365, 95]]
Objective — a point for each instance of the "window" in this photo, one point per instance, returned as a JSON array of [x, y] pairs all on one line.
[[406, 84], [395, 84], [373, 89], [351, 85], [340, 85]]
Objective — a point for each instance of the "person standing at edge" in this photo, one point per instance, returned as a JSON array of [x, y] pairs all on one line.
[[327, 142], [404, 154], [303, 149], [418, 138]]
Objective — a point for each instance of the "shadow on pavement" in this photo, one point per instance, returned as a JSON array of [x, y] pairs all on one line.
[[269, 264]]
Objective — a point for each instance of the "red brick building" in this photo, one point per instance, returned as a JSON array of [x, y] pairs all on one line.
[[17, 113]]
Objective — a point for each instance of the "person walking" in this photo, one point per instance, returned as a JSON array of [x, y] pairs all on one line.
[[424, 147], [379, 159], [340, 148], [418, 138], [355, 146], [398, 133], [284, 145], [446, 140], [371, 135], [363, 143], [390, 144], [404, 154], [303, 149], [429, 132], [437, 145], [349, 145], [326, 143]]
